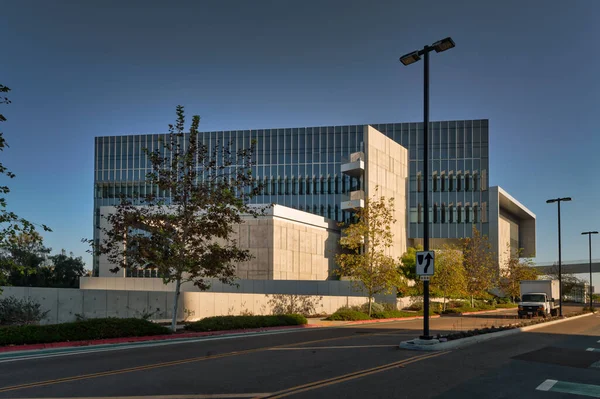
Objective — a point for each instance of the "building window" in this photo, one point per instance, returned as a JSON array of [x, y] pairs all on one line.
[[443, 182], [281, 186], [329, 187], [308, 185], [459, 213], [315, 185], [475, 181], [458, 182], [343, 184], [435, 182], [419, 213], [484, 212], [450, 182], [467, 213], [294, 190], [322, 210], [451, 213], [467, 181], [475, 212], [337, 213], [301, 186], [336, 185], [323, 185], [287, 186], [443, 212], [419, 188], [273, 186], [328, 211], [435, 213], [483, 180]]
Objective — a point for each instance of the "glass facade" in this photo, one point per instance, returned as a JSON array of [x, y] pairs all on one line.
[[300, 168]]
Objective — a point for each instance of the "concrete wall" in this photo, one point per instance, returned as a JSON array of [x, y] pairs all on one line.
[[286, 244], [508, 238], [386, 167], [64, 304]]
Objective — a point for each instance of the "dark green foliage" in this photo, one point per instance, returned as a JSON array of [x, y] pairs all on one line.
[[219, 323], [80, 331], [394, 314], [506, 305], [14, 311], [345, 314], [464, 309]]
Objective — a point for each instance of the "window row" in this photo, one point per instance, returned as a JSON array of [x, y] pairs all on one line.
[[452, 213], [455, 182], [268, 186]]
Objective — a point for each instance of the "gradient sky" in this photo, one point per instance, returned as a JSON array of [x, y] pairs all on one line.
[[80, 69]]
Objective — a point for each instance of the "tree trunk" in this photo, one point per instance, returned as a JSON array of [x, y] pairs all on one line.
[[444, 306], [370, 306], [175, 302], [472, 301]]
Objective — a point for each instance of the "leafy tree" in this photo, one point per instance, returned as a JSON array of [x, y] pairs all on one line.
[[480, 266], [449, 280], [184, 229], [408, 270], [22, 258], [514, 271], [11, 225], [368, 242], [66, 270]]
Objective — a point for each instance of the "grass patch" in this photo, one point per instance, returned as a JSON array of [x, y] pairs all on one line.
[[80, 331], [219, 323], [506, 305], [395, 314], [460, 310]]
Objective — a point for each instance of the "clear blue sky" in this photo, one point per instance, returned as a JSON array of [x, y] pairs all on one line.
[[84, 69]]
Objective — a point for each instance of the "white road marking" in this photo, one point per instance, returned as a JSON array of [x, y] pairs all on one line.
[[596, 365], [546, 385], [592, 350]]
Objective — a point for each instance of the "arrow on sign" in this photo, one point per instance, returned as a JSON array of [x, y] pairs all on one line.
[[428, 259]]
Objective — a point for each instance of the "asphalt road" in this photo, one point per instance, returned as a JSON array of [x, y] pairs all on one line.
[[350, 362]]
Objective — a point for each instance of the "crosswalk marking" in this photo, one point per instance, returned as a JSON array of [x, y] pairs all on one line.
[[593, 350], [546, 385]]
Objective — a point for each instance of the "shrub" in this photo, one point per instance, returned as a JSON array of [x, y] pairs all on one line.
[[387, 306], [459, 310], [415, 306], [218, 323], [294, 304], [393, 314], [25, 311], [80, 331], [345, 314], [375, 307], [457, 304]]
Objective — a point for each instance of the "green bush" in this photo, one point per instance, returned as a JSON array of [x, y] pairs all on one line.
[[218, 323], [80, 331], [375, 307], [415, 306], [23, 311], [394, 314], [345, 314], [389, 306], [457, 304], [459, 310], [484, 306]]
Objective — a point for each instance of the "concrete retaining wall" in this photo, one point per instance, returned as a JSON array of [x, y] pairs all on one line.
[[65, 304]]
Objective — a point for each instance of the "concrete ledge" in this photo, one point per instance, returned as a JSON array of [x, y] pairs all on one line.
[[462, 342]]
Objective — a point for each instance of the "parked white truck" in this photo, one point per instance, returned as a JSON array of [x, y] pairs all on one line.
[[539, 298]]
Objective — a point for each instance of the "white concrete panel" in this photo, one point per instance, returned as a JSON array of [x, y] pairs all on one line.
[[116, 303], [94, 304], [70, 304]]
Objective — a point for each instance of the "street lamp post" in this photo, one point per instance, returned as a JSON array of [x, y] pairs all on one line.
[[589, 233], [407, 59], [550, 201]]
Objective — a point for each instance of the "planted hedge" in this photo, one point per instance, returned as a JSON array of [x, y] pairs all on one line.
[[345, 314], [218, 323], [80, 331]]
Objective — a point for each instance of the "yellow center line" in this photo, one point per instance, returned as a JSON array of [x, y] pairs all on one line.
[[351, 376], [168, 364]]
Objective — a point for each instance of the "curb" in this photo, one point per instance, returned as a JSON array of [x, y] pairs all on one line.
[[478, 312], [184, 336], [462, 342]]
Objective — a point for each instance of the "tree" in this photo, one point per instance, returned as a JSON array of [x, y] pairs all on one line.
[[368, 242], [480, 266], [449, 280], [514, 271], [66, 270], [184, 229], [408, 270], [11, 225], [22, 258]]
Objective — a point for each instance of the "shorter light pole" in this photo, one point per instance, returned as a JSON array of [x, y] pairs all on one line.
[[550, 201], [589, 233]]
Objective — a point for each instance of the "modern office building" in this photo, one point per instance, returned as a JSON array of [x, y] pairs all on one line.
[[328, 171]]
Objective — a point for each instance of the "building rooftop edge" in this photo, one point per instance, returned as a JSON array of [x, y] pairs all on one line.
[[514, 201]]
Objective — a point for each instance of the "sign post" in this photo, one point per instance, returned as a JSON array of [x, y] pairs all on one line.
[[425, 269]]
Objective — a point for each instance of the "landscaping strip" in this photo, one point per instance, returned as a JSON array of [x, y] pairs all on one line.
[[436, 345]]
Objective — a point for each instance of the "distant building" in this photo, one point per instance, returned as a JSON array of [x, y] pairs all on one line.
[[328, 172]]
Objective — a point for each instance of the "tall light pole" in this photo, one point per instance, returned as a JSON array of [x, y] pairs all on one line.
[[550, 201], [407, 59], [589, 233]]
